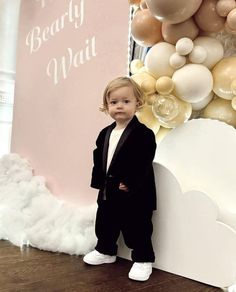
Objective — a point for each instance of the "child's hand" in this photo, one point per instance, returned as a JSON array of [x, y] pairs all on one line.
[[123, 187]]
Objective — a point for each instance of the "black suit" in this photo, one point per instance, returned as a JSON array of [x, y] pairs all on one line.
[[129, 212]]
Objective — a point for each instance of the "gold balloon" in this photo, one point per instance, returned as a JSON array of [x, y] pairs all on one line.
[[162, 133], [171, 111], [164, 85], [145, 81], [135, 65], [145, 28], [233, 103], [145, 116], [224, 73], [221, 109]]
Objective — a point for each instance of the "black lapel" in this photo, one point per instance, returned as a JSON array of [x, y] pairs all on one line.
[[106, 145], [132, 124]]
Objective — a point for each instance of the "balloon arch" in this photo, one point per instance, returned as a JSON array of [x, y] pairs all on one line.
[[187, 60]]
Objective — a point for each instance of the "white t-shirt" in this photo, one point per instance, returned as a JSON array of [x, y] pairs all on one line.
[[113, 141]]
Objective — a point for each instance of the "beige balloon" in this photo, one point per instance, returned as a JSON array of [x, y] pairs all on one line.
[[207, 19], [231, 19], [223, 7], [164, 85], [136, 65], [173, 11], [224, 73], [173, 32], [146, 116], [221, 109], [146, 82], [162, 133]]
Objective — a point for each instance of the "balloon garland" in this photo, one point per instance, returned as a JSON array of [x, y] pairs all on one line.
[[189, 70]]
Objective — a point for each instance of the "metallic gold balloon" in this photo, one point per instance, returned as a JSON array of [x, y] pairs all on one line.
[[171, 111], [207, 19], [164, 85], [233, 103], [145, 28], [221, 109], [224, 73], [145, 116], [173, 11], [173, 32]]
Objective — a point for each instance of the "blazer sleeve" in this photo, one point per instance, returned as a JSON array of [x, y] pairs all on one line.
[[97, 179]]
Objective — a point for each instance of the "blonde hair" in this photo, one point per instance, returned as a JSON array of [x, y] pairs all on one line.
[[122, 82]]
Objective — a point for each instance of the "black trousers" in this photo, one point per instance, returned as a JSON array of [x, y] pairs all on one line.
[[134, 222]]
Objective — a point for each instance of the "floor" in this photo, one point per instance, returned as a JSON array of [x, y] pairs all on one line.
[[30, 269]]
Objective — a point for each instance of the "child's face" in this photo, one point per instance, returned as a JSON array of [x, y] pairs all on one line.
[[122, 104]]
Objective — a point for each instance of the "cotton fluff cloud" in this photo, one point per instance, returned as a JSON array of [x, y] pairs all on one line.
[[30, 214]]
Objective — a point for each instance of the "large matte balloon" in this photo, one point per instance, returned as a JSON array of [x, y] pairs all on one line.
[[224, 73], [173, 11], [202, 103], [193, 82], [207, 18], [221, 109], [214, 49], [157, 59], [173, 32], [145, 29], [171, 111]]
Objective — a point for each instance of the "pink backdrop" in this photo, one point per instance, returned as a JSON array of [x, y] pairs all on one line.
[[67, 52]]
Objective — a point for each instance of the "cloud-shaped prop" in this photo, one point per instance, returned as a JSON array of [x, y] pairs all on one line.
[[188, 238], [30, 214]]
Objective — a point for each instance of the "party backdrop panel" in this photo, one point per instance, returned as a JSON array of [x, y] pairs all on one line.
[[67, 53]]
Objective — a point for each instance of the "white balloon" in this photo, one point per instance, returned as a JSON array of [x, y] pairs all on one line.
[[214, 50], [197, 106], [193, 82], [157, 59], [198, 55], [184, 46], [177, 61]]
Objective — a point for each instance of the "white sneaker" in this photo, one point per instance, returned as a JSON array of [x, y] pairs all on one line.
[[96, 258], [140, 271]]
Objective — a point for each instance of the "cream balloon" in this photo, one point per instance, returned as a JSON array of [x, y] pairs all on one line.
[[221, 109], [162, 133], [224, 73], [193, 82], [171, 111], [198, 55], [214, 50], [146, 116], [157, 59], [145, 81], [173, 11], [177, 61], [135, 65], [197, 106], [164, 85], [184, 46]]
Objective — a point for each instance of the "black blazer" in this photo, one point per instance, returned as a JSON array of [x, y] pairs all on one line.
[[131, 164]]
